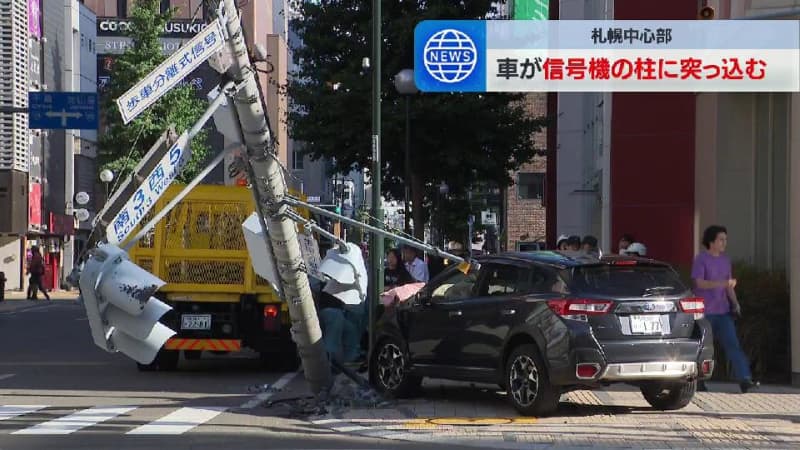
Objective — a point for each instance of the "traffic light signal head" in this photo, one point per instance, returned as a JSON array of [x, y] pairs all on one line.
[[123, 315]]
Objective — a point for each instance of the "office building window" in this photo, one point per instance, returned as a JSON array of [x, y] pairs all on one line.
[[164, 6], [122, 8], [530, 186], [297, 160]]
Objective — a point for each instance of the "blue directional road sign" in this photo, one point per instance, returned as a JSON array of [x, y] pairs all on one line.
[[63, 110]]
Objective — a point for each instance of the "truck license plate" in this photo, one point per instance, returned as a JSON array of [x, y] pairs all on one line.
[[196, 322], [646, 324]]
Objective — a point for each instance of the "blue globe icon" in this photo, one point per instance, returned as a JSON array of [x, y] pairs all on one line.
[[450, 56]]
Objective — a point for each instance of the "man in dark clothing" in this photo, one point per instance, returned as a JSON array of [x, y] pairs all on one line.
[[36, 272]]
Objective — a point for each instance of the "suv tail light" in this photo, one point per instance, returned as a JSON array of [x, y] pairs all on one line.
[[578, 309], [694, 305], [707, 367]]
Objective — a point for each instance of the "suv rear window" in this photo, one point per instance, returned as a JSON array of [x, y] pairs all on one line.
[[625, 281]]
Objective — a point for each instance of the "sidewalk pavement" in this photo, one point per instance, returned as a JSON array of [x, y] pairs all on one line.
[[55, 295], [617, 417]]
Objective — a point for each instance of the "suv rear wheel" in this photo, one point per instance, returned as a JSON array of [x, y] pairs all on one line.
[[669, 396], [389, 370], [528, 384]]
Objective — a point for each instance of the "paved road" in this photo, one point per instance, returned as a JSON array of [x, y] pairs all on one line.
[[57, 390]]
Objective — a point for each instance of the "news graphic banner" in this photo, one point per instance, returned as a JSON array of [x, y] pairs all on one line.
[[607, 56]]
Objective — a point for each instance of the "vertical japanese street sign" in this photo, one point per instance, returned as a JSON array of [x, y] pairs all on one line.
[[150, 190], [158, 82], [310, 250]]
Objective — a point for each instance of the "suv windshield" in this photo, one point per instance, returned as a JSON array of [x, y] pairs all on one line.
[[625, 281]]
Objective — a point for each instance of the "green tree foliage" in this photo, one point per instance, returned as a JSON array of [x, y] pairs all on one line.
[[180, 106], [460, 139]]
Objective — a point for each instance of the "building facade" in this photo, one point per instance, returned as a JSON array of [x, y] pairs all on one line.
[[524, 227], [706, 158], [747, 168], [69, 65], [15, 42]]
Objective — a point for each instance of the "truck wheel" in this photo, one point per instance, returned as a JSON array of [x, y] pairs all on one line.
[[166, 360], [669, 396], [529, 389]]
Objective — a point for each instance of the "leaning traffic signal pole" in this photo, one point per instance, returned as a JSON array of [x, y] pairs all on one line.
[[269, 189]]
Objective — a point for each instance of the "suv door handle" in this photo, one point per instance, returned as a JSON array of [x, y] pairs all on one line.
[[455, 313], [508, 312]]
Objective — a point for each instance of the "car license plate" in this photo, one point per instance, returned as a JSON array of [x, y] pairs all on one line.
[[196, 322], [646, 324]]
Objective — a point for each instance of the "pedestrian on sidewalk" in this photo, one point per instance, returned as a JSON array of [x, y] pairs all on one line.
[[415, 266], [2, 286], [36, 272], [636, 249], [624, 242], [395, 273], [714, 282], [590, 247]]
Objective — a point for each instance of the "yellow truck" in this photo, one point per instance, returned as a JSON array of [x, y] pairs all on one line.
[[219, 303]]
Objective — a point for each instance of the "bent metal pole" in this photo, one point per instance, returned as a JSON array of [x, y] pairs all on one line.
[[324, 212]]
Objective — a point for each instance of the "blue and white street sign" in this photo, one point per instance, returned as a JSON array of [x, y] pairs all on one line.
[[158, 82], [63, 110], [143, 200]]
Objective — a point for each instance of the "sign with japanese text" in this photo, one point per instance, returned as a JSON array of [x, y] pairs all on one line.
[[607, 56], [309, 248], [171, 72], [149, 191]]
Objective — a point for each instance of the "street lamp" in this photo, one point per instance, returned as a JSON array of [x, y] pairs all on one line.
[[106, 176], [404, 83]]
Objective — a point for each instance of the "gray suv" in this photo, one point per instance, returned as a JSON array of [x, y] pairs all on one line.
[[543, 323]]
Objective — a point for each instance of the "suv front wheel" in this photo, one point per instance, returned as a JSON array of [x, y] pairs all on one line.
[[389, 370], [669, 396], [528, 384]]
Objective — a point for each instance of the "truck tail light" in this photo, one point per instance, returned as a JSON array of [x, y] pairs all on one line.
[[271, 311], [272, 321], [580, 308]]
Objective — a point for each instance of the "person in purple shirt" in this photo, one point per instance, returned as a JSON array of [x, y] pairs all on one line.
[[714, 282]]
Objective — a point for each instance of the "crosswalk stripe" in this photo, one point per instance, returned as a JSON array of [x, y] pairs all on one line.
[[11, 411], [180, 421], [74, 422]]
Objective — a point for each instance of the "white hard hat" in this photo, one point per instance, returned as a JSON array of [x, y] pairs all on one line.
[[636, 248], [561, 238]]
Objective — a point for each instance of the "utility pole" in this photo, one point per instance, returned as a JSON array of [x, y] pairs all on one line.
[[376, 252], [269, 189]]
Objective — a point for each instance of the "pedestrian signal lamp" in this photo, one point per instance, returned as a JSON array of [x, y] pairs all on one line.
[[706, 13], [123, 315]]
